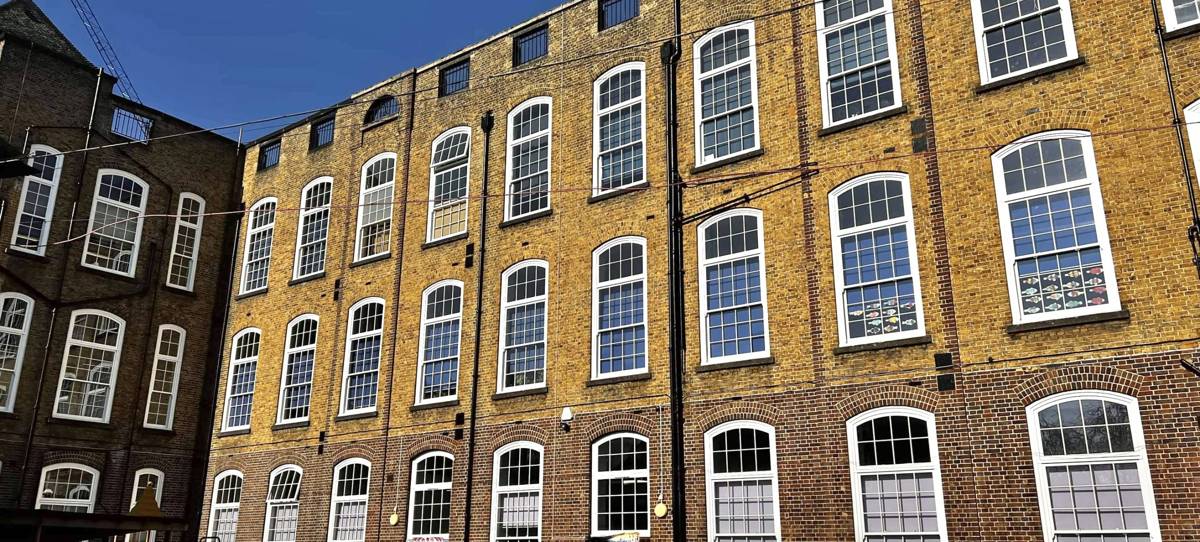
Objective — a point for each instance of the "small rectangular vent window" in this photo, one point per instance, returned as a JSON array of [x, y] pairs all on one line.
[[130, 125], [615, 12], [322, 133], [268, 155], [531, 45], [454, 78]]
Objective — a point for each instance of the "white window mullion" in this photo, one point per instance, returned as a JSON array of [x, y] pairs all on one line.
[[429, 505], [299, 361], [348, 505], [1181, 13], [731, 250], [91, 359], [619, 129], [517, 493], [31, 231], [312, 231], [239, 391], [283, 505], [16, 312], [226, 506], [164, 382], [115, 227], [851, 89], [439, 347], [725, 71], [524, 327], [528, 171], [374, 234], [1004, 34], [185, 247], [256, 257], [449, 184], [364, 349]]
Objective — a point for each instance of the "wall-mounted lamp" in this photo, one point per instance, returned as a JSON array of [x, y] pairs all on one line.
[[565, 419]]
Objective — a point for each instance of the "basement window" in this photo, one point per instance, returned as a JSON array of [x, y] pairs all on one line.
[[130, 125]]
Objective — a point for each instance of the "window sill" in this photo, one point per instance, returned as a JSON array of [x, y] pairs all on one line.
[[111, 275], [526, 218], [371, 260], [376, 124], [309, 278], [523, 393], [27, 255], [721, 366], [604, 381], [1047, 70], [6, 415], [359, 416], [158, 431], [633, 188], [883, 345], [233, 433], [78, 423], [248, 295], [727, 161], [864, 120], [289, 425], [444, 240], [1183, 32], [432, 406], [1115, 316], [179, 291]]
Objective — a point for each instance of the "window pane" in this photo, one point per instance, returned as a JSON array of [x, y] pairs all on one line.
[[1020, 35], [615, 12], [1187, 11]]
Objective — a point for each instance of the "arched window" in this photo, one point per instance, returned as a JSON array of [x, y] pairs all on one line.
[[875, 261], [256, 261], [449, 179], [68, 487], [375, 207], [621, 485], [381, 109], [283, 504], [726, 99], [226, 504], [528, 184], [364, 346], [312, 230], [38, 192], [1013, 39], [523, 327], [1181, 13], [429, 496], [16, 311], [115, 230], [619, 308], [620, 129], [239, 396], [89, 366], [143, 479], [348, 508], [733, 296], [517, 493], [1089, 459], [740, 466], [299, 357], [164, 382], [1059, 263], [441, 330], [895, 476], [857, 48], [185, 249]]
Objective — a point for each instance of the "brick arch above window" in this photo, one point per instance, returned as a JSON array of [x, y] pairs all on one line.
[[1003, 133], [742, 410], [884, 396], [433, 443], [608, 424], [357, 450], [1079, 377], [518, 433]]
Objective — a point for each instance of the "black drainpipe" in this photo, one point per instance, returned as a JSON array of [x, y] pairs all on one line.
[[677, 342]]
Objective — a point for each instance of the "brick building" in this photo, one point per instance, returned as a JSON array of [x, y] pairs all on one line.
[[968, 220], [109, 354]]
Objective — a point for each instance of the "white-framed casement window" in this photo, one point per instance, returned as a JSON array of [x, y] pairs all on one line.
[[1181, 13], [517, 493], [742, 482], [312, 230], [441, 331], [226, 505], [68, 487], [283, 504], [1056, 248], [528, 158], [115, 229], [1191, 116], [621, 485], [143, 479], [348, 507], [38, 192], [16, 311], [243, 365], [859, 71], [1089, 459], [364, 346], [185, 245], [449, 180], [299, 359], [164, 381], [374, 234], [89, 368], [895, 476], [619, 308], [619, 129], [429, 497], [726, 83], [256, 262], [523, 326], [733, 288], [1014, 38], [875, 260]]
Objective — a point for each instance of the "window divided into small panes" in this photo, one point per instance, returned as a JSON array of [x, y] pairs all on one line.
[[858, 58], [429, 499], [449, 174], [517, 493], [68, 487], [528, 159], [226, 507], [621, 485], [620, 130], [726, 93], [299, 360], [1017, 36], [185, 247], [375, 207], [619, 344], [283, 504], [364, 344], [115, 228], [896, 476], [742, 500], [143, 480], [16, 312], [1180, 13], [89, 368], [239, 395], [36, 208], [441, 329], [313, 233], [523, 327], [164, 384], [348, 513], [260, 233], [733, 308]]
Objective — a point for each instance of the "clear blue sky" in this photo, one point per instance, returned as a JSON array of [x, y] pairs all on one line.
[[224, 61]]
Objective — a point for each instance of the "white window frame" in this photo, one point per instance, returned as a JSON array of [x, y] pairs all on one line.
[[350, 338], [362, 206], [1191, 116], [710, 477], [597, 286], [1092, 182], [40, 249], [305, 214], [23, 334], [597, 477], [505, 304], [704, 262], [857, 470], [985, 74], [116, 365], [426, 321], [597, 113], [274, 504], [197, 229], [494, 526], [513, 143], [94, 230], [213, 507], [433, 172], [151, 536], [823, 33], [697, 76], [92, 493], [1138, 456], [1170, 18], [335, 499], [233, 363], [413, 488], [839, 278], [250, 231], [288, 350], [158, 359]]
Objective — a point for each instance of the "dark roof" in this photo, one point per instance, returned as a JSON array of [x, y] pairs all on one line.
[[25, 19]]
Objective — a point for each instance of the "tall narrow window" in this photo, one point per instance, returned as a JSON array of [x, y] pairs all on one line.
[[348, 509], [726, 84], [1056, 248], [313, 230], [615, 12], [364, 345], [239, 396], [742, 480], [733, 300], [619, 131], [185, 247], [256, 262], [429, 499], [375, 207], [68, 487], [298, 361], [517, 493], [449, 172], [528, 158], [621, 485], [1016, 38], [89, 366], [523, 327], [283, 504], [1181, 13], [38, 191], [226, 504], [164, 382], [619, 308], [441, 328], [115, 229], [16, 311], [145, 479], [1093, 477], [382, 109], [859, 76], [896, 477]]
